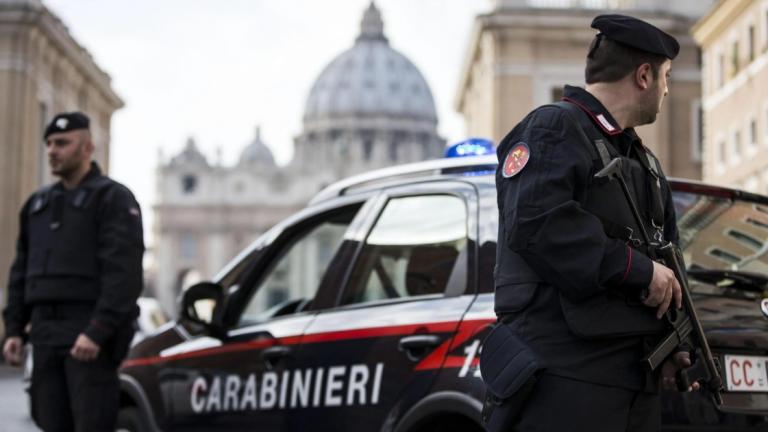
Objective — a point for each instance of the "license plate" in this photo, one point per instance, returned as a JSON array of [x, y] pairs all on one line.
[[746, 373]]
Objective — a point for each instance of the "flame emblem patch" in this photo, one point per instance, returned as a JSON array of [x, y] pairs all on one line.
[[516, 159]]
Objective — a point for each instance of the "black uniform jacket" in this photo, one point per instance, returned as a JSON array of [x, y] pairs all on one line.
[[78, 260], [552, 244]]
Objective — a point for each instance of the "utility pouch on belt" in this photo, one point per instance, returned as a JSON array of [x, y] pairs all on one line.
[[510, 369]]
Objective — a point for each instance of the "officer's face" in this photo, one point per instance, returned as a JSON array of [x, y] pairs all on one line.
[[67, 151], [653, 98]]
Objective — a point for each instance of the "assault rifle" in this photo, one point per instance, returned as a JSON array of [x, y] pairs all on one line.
[[685, 325]]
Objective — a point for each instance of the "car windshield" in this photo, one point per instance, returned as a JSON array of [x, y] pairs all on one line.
[[719, 233]]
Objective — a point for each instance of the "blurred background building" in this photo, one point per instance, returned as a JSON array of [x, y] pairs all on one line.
[[43, 70], [734, 42], [369, 108], [523, 51]]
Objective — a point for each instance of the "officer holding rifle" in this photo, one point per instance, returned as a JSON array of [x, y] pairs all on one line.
[[580, 293]]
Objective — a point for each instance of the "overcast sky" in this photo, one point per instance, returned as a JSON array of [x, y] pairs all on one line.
[[216, 69]]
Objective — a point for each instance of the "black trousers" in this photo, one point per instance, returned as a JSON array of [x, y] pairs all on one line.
[[71, 395], [563, 404]]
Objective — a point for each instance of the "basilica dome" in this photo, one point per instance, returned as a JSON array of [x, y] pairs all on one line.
[[370, 79], [369, 108]]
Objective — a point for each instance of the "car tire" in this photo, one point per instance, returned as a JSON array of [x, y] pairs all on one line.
[[129, 419]]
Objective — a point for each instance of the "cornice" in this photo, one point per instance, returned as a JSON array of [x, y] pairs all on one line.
[[545, 20], [33, 14], [717, 20]]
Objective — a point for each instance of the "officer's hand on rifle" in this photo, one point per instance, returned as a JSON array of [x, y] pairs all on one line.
[[13, 350], [679, 360], [663, 289]]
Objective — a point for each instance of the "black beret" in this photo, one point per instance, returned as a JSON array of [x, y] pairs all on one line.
[[636, 34], [65, 122]]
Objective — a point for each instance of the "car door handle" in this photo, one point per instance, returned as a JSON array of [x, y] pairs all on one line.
[[273, 354], [419, 341], [417, 346]]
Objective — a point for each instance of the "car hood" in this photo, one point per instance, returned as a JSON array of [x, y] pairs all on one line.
[[732, 318], [166, 336]]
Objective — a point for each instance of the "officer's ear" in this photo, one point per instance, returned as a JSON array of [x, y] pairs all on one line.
[[87, 142], [643, 76]]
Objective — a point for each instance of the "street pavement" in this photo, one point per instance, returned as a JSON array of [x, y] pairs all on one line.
[[14, 414]]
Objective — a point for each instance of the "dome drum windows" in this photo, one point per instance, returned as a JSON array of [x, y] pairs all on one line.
[[393, 151], [367, 140], [367, 150]]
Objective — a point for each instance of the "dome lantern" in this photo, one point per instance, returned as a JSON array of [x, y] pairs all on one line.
[[372, 26]]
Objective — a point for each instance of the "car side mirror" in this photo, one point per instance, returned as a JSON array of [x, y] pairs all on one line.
[[202, 304]]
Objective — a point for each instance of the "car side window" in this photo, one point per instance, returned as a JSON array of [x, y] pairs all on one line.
[[294, 275], [412, 250]]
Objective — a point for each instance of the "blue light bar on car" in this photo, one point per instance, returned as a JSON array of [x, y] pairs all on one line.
[[471, 147]]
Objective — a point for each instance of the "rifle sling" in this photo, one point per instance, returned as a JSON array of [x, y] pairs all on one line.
[[599, 151]]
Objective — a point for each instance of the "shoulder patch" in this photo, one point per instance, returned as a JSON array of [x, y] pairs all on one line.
[[516, 159]]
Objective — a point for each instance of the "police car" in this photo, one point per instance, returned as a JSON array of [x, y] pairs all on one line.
[[367, 310]]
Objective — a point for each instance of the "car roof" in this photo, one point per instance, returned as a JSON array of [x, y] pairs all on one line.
[[408, 173], [480, 169]]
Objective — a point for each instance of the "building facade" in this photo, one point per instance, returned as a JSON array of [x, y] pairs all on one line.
[[734, 43], [368, 109], [43, 70], [522, 52]]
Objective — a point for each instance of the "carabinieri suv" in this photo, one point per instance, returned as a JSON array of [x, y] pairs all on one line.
[[366, 312]]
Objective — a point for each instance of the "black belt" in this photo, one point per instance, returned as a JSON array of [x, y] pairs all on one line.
[[48, 311]]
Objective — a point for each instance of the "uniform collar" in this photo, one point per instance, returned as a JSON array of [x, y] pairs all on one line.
[[600, 116], [92, 173], [95, 171]]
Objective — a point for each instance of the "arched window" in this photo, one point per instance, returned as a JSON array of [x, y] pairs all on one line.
[[188, 184]]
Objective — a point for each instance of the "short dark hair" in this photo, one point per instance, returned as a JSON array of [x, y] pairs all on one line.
[[611, 61]]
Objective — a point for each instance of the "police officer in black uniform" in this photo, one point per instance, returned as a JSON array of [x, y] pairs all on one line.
[[573, 276], [74, 284]]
